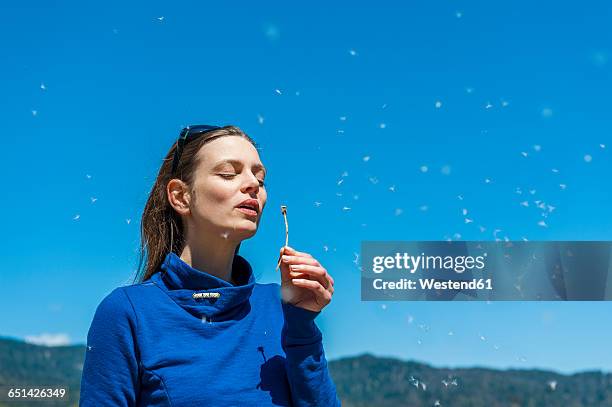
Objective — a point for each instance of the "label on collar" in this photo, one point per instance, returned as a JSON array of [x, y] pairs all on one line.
[[206, 295]]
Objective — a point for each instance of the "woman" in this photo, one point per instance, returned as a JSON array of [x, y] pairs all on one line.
[[196, 329]]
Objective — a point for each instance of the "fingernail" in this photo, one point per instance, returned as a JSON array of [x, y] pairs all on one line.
[[285, 259]]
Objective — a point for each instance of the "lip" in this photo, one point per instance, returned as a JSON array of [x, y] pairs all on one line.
[[253, 204], [248, 212]]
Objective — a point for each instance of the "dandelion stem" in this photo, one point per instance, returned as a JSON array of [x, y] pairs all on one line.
[[284, 212]]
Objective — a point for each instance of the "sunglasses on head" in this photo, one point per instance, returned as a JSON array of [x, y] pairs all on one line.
[[188, 134]]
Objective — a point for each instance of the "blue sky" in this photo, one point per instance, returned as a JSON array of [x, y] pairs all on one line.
[[422, 109]]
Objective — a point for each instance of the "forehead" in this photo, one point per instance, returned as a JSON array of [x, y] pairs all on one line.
[[232, 148]]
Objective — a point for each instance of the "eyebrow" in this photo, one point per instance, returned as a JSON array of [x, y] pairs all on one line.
[[237, 162]]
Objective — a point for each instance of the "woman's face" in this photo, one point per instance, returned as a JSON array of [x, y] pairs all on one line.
[[229, 172]]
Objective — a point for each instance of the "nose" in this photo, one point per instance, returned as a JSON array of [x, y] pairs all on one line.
[[251, 184]]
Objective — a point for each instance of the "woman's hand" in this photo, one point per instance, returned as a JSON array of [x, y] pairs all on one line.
[[304, 282]]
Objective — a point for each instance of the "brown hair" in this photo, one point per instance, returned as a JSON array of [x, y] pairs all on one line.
[[161, 226]]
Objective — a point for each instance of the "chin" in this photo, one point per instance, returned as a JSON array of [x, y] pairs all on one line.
[[246, 232]]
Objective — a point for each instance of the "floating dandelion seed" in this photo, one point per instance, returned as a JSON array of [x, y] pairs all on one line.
[[410, 319], [260, 119], [346, 208], [445, 170], [88, 176], [384, 106], [77, 217], [525, 204], [482, 338], [450, 333], [543, 224], [356, 259], [161, 18], [424, 168], [469, 90], [317, 204], [482, 229], [547, 112], [43, 87], [556, 171], [392, 188], [398, 211], [326, 248], [340, 131], [373, 180], [278, 91], [297, 93], [458, 14], [460, 197], [34, 113], [437, 403], [523, 153], [532, 191], [423, 208], [487, 181], [271, 31], [355, 196], [504, 103], [464, 211], [343, 118], [488, 105], [438, 104], [366, 158], [467, 220], [562, 186], [552, 384], [602, 145], [344, 174], [537, 147], [93, 199], [383, 306], [128, 221], [340, 181], [89, 347], [225, 234], [382, 125], [588, 158], [353, 52]]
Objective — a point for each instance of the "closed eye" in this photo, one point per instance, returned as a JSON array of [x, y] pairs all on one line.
[[230, 176]]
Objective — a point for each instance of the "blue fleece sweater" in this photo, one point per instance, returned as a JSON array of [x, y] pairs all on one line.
[[158, 344]]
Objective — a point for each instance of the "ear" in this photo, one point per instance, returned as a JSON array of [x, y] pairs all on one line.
[[178, 196]]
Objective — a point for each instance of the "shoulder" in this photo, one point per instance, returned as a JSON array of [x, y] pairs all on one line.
[[270, 289], [115, 304]]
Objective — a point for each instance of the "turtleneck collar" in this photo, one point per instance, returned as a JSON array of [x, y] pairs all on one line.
[[215, 299]]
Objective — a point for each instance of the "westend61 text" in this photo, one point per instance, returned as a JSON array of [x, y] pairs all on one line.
[[432, 284]]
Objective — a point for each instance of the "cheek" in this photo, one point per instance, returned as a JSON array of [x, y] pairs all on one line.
[[214, 195]]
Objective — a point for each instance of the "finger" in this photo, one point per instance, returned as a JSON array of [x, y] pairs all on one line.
[[316, 287], [319, 273], [299, 260], [291, 251]]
